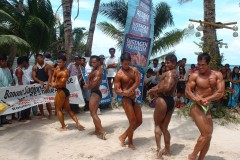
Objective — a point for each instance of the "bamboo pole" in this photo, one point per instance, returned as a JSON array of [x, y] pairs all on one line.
[[213, 24]]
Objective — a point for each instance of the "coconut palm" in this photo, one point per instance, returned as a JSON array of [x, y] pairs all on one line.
[[117, 12], [32, 22], [209, 32], [92, 28]]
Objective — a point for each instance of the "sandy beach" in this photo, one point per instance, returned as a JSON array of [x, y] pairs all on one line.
[[40, 139]]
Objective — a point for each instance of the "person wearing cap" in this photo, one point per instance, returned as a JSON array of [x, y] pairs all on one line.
[[111, 64], [102, 59], [47, 59], [75, 69]]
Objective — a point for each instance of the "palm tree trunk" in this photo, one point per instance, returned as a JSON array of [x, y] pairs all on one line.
[[67, 23], [92, 28], [209, 32]]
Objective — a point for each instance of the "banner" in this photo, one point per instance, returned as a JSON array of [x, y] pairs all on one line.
[[16, 98], [139, 90], [138, 35], [106, 98]]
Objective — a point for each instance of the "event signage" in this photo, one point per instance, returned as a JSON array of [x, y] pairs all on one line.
[[14, 99]]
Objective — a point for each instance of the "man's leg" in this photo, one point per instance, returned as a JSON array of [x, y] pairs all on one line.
[[129, 111], [166, 134], [59, 102], [138, 115], [70, 112], [205, 128], [40, 106], [158, 116], [110, 85], [49, 108], [35, 110], [93, 106], [203, 152]]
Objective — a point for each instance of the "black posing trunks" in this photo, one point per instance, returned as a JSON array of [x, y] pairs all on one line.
[[65, 90], [169, 101], [98, 92], [132, 100]]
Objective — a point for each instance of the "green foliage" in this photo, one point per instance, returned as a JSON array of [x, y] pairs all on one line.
[[117, 11]]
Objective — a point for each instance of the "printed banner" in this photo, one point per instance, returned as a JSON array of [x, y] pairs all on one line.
[[139, 90], [16, 98], [106, 98], [138, 35]]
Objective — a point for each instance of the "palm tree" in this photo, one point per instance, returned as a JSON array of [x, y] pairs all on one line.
[[67, 12], [209, 32], [92, 28], [117, 12], [32, 22]]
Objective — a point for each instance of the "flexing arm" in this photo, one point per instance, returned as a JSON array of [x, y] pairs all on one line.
[[117, 83], [19, 74], [136, 83], [191, 84], [96, 80], [169, 82], [61, 82], [220, 89]]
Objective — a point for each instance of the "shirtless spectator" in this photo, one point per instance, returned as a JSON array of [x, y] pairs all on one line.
[[127, 81], [94, 80], [164, 104], [59, 80], [42, 72], [203, 87]]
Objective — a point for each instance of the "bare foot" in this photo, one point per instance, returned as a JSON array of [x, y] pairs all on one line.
[[166, 152], [122, 141], [159, 154], [80, 127], [42, 117], [191, 157], [131, 146], [94, 133], [63, 128], [103, 136]]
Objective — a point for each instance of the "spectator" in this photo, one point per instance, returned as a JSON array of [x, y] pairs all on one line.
[[111, 64], [181, 86], [47, 59], [235, 80], [102, 58], [6, 80], [149, 77]]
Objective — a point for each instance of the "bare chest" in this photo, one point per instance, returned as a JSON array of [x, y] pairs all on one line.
[[207, 82]]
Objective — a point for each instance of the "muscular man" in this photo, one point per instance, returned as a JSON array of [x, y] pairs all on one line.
[[42, 72], [59, 79], [126, 82], [94, 80], [164, 104], [203, 87]]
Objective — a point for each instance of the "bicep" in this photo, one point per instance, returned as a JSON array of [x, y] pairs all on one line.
[[220, 83]]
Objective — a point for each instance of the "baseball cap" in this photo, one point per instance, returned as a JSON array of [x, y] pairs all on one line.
[[77, 57], [102, 56]]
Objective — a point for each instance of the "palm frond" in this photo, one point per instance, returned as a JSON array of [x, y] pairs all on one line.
[[5, 17], [170, 39], [12, 40], [5, 30], [116, 11], [110, 30], [163, 18]]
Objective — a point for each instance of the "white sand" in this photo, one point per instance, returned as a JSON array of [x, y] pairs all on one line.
[[40, 140]]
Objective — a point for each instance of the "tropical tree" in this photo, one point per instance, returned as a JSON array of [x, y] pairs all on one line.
[[32, 22], [92, 28], [209, 31], [67, 23], [117, 12]]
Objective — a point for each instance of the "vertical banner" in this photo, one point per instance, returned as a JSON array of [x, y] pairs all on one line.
[[106, 98], [138, 37], [139, 90]]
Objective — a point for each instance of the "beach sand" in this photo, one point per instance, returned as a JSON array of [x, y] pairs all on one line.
[[40, 139]]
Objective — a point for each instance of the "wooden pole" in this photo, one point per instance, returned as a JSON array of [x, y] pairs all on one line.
[[213, 24]]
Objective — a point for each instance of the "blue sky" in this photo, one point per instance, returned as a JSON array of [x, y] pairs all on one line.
[[226, 11]]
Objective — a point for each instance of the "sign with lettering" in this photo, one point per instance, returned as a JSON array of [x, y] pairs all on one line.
[[14, 99]]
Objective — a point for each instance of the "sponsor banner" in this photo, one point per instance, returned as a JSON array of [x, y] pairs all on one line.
[[106, 97], [138, 35], [139, 28], [139, 90], [16, 98]]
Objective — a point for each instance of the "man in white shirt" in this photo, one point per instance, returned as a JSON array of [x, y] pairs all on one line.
[[149, 78], [111, 64]]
